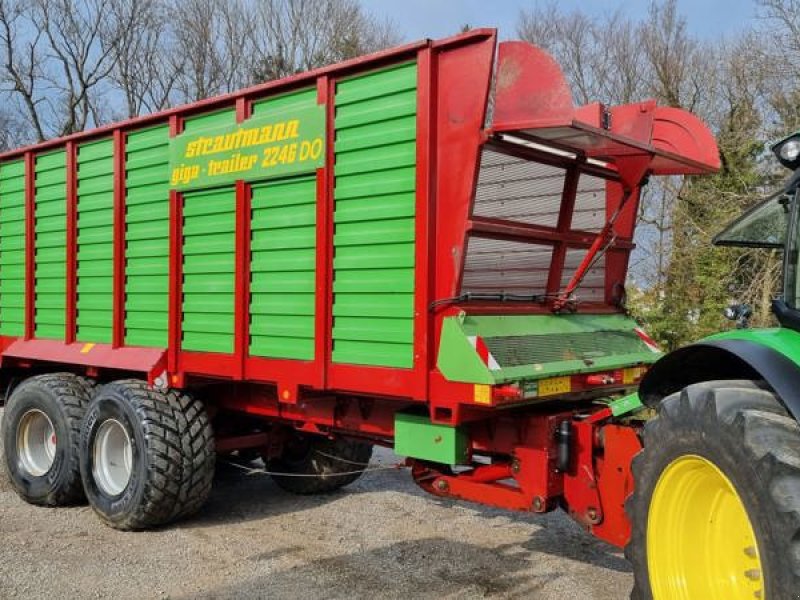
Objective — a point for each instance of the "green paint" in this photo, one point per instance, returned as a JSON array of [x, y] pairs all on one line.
[[51, 239], [786, 341], [625, 405], [279, 140], [375, 170], [209, 250], [416, 437], [12, 248], [147, 237], [539, 346], [283, 268], [283, 243], [95, 241]]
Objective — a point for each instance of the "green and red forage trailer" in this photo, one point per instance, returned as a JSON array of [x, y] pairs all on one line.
[[424, 248]]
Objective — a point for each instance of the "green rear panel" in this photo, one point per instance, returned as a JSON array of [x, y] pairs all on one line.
[[533, 347], [147, 237], [12, 248], [95, 241], [283, 245], [375, 172], [50, 243], [209, 253]]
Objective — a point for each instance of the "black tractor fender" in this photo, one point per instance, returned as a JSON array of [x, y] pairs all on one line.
[[723, 359]]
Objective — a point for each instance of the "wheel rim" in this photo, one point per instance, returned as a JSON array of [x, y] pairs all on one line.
[[113, 457], [700, 541], [36, 442]]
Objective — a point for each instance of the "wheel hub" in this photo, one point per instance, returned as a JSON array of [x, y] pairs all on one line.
[[112, 457], [700, 542], [36, 442]]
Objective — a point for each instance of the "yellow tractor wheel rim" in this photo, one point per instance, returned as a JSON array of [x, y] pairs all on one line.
[[700, 542]]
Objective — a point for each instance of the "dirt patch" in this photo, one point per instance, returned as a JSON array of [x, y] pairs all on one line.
[[381, 537]]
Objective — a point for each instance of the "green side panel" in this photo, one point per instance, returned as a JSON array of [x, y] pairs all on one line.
[[147, 237], [50, 243], [375, 172], [530, 347], [416, 437], [12, 248], [209, 253], [283, 268], [95, 241]]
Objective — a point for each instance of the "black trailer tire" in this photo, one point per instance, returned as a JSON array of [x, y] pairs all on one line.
[[165, 442], [743, 432], [41, 436], [318, 465]]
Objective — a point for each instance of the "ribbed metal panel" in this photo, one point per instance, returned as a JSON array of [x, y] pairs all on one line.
[[12, 248], [518, 190], [514, 351], [283, 268], [590, 204], [592, 287], [501, 266], [209, 252], [283, 244], [528, 192], [147, 237], [95, 241], [50, 242], [373, 261]]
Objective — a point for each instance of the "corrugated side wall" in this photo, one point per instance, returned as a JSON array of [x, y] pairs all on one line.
[[50, 242], [209, 249], [283, 256], [95, 242], [147, 237], [12, 248], [375, 174]]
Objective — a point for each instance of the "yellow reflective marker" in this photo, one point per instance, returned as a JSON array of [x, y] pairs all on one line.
[[482, 394], [87, 348]]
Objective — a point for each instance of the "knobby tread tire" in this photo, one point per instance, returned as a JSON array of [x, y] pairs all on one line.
[[175, 464], [72, 394], [331, 464], [742, 427]]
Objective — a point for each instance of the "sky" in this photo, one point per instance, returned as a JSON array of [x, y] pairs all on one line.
[[417, 19]]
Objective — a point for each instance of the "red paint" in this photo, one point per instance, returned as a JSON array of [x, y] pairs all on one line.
[[30, 247], [118, 326], [71, 316]]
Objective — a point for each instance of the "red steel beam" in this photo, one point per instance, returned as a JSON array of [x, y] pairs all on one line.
[[30, 248], [118, 326], [175, 266], [72, 244], [423, 248], [563, 227]]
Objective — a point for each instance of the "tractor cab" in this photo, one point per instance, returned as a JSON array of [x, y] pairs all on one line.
[[773, 224]]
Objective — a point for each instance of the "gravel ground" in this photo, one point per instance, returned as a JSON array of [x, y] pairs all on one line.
[[379, 538]]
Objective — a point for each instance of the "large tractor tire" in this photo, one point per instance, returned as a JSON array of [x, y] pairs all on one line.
[[147, 456], [41, 434], [317, 465], [715, 510]]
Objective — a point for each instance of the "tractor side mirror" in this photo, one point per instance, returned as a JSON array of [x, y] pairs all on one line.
[[740, 313]]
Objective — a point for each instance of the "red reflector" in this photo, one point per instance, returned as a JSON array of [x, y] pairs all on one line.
[[507, 392], [600, 379]]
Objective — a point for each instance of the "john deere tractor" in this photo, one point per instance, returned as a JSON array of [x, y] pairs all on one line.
[[716, 507]]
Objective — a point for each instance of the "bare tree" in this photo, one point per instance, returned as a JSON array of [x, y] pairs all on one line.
[[22, 60], [298, 35], [145, 60]]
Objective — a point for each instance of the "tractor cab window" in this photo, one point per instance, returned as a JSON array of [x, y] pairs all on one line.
[[763, 226]]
